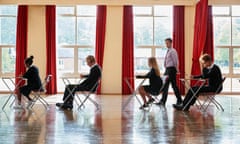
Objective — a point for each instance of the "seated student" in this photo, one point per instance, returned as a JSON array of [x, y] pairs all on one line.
[[154, 80], [33, 82], [86, 85], [211, 72]]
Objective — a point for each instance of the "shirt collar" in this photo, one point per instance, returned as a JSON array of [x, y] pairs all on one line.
[[210, 67], [94, 65]]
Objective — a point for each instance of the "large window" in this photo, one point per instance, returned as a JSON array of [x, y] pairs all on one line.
[[76, 26], [7, 41], [227, 44], [152, 25]]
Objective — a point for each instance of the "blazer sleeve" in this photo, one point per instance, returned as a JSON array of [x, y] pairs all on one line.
[[28, 74], [148, 75], [204, 74]]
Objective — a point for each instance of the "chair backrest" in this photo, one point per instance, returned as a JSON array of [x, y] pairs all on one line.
[[45, 82], [221, 85], [95, 87]]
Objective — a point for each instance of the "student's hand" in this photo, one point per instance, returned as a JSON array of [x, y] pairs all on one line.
[[20, 75], [81, 75]]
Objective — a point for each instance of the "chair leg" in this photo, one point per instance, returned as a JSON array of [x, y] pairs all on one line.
[[42, 100], [86, 98]]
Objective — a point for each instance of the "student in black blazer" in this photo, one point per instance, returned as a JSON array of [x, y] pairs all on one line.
[[33, 81], [211, 72], [86, 85], [155, 83]]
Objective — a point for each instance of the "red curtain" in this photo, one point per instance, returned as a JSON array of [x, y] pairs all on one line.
[[21, 40], [179, 41], [200, 33], [100, 36], [208, 48], [21, 44], [127, 49], [51, 48]]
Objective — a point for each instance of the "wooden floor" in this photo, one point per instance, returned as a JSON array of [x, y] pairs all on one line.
[[111, 125]]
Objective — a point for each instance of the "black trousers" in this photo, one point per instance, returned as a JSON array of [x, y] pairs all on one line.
[[187, 100], [26, 90], [171, 72], [68, 97]]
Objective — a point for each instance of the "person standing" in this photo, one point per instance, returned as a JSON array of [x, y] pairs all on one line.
[[171, 68]]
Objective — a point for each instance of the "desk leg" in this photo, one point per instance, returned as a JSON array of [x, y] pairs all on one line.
[[12, 95], [129, 99]]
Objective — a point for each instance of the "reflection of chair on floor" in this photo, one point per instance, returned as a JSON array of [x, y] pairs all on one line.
[[37, 93], [210, 97]]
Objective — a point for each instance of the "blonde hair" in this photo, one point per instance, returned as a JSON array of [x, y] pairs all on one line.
[[153, 62]]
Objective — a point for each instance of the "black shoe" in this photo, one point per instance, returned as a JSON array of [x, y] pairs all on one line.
[[64, 106], [143, 106], [180, 107], [160, 103], [67, 107], [59, 104]]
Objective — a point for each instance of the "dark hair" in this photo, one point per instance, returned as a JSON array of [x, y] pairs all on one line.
[[168, 39], [29, 60], [206, 58]]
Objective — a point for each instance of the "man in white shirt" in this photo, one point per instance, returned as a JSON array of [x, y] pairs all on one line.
[[171, 68]]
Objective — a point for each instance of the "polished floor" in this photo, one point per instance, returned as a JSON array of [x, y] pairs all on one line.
[[112, 125]]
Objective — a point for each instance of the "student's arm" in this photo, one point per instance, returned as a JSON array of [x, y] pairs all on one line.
[[145, 76], [28, 73], [84, 75], [203, 75]]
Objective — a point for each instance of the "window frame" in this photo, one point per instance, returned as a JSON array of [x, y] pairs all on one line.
[[153, 47], [75, 46], [2, 46], [231, 75]]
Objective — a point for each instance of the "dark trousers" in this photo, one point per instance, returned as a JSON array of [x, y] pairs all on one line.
[[190, 99], [26, 90], [70, 91], [171, 72]]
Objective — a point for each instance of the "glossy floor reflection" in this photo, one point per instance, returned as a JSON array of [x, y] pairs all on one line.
[[111, 125]]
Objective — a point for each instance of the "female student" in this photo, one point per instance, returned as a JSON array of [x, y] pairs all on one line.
[[155, 83], [33, 81]]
